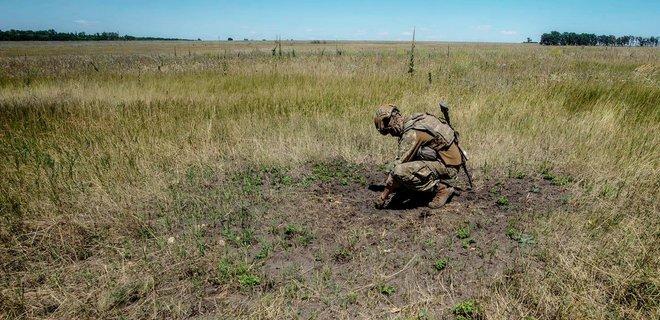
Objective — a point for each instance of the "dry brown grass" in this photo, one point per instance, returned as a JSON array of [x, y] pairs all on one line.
[[92, 161]]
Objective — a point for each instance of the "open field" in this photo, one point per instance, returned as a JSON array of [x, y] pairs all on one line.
[[213, 179]]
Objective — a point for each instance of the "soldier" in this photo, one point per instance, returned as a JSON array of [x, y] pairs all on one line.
[[427, 155]]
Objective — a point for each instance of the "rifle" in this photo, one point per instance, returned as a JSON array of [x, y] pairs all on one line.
[[445, 112]]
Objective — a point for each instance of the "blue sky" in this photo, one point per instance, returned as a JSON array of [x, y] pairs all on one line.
[[497, 21]]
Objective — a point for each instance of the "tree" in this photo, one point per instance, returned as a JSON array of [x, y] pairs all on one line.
[[555, 38], [52, 35], [551, 39]]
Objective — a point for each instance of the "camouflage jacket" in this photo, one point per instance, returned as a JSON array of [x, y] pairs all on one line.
[[425, 137]]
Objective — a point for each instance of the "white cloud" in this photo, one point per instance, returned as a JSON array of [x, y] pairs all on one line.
[[509, 32], [83, 22], [383, 33], [406, 33], [483, 28]]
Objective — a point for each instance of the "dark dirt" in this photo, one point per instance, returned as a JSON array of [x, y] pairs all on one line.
[[339, 250]]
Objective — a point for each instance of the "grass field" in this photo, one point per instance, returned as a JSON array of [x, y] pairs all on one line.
[[215, 179]]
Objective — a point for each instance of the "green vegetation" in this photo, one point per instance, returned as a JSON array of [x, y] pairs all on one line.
[[502, 201], [516, 234], [342, 254], [386, 289], [293, 232], [248, 280], [467, 310], [555, 179], [465, 243], [264, 252], [341, 171], [463, 232], [199, 179], [236, 272], [555, 38], [440, 264]]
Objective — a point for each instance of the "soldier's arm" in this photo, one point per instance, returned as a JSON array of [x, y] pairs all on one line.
[[408, 146]]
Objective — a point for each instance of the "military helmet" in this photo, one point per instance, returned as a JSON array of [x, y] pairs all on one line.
[[382, 117]]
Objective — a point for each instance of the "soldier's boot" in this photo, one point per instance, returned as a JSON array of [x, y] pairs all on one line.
[[440, 198]]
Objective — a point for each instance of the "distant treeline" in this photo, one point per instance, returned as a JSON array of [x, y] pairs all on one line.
[[52, 35], [556, 38]]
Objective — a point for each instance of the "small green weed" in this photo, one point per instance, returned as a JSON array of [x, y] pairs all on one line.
[[244, 237], [249, 180], [264, 252], [278, 176], [386, 289], [561, 180], [230, 270], [291, 230], [548, 175], [555, 179], [465, 243], [341, 171], [463, 232], [517, 235], [305, 239], [467, 310], [502, 201], [440, 264], [349, 299], [546, 170], [303, 236], [248, 280]]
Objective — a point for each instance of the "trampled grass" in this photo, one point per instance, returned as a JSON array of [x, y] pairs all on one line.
[[137, 190]]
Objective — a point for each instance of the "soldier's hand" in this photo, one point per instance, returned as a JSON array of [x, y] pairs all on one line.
[[379, 203]]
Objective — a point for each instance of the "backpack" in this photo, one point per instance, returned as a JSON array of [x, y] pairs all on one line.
[[444, 136]]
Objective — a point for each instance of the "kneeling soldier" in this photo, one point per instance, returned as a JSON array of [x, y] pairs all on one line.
[[427, 155]]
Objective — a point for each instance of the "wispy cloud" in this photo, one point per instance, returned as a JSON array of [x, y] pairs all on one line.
[[483, 28], [383, 33], [83, 22], [509, 32], [406, 33]]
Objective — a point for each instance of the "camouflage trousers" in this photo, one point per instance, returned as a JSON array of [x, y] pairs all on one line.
[[422, 176]]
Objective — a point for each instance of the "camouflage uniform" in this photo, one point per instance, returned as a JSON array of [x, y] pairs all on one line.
[[422, 160]]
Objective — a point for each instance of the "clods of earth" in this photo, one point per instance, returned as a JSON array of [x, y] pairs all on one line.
[[317, 242]]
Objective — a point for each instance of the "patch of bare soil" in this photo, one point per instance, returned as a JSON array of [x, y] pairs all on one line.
[[333, 254]]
